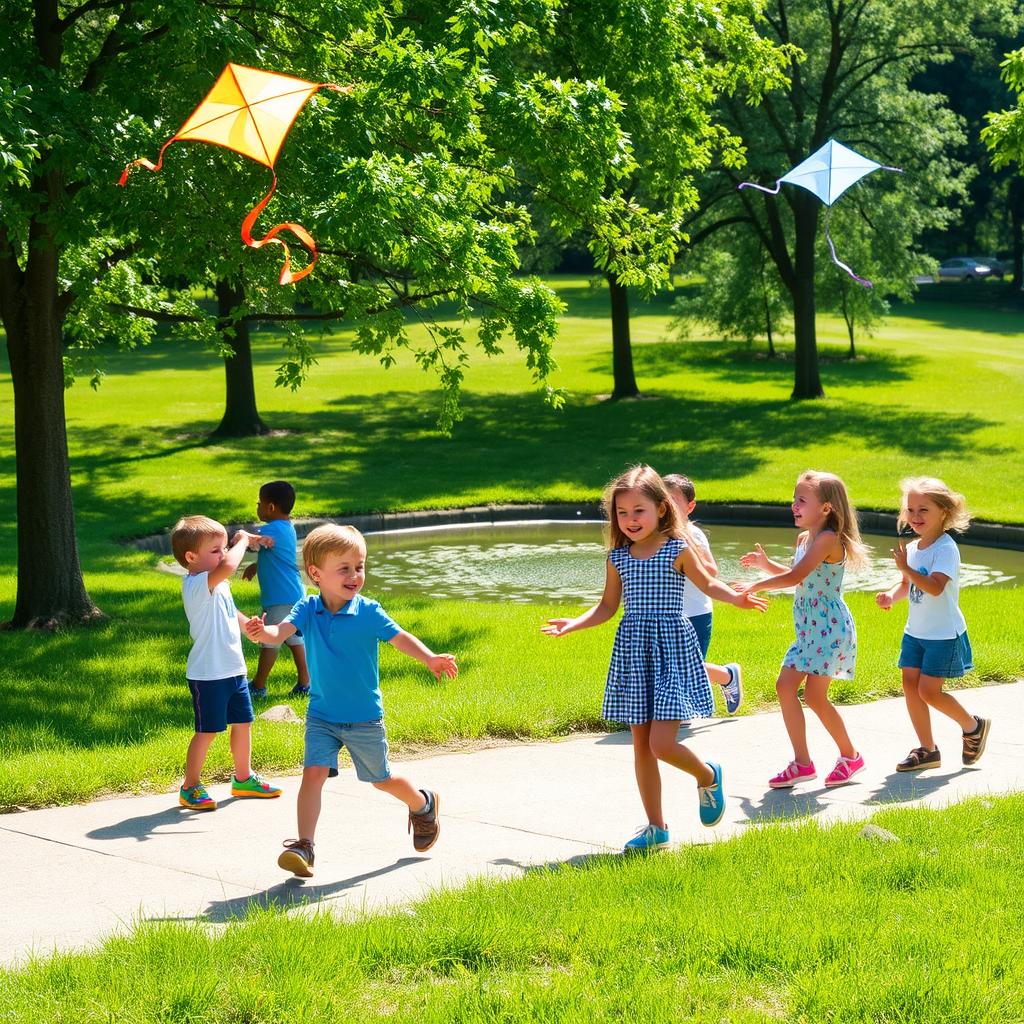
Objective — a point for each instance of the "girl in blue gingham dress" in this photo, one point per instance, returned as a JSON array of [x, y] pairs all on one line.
[[656, 676], [657, 671]]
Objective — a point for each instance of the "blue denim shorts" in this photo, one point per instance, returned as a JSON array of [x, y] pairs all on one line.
[[218, 703], [366, 742], [944, 659], [276, 614], [702, 627]]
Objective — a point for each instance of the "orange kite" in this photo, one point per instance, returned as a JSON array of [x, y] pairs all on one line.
[[251, 112]]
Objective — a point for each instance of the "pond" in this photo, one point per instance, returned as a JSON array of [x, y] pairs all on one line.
[[545, 562]]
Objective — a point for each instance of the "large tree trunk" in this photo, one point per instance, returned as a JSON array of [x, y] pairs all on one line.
[[241, 418], [1017, 229], [806, 382], [51, 591], [622, 351]]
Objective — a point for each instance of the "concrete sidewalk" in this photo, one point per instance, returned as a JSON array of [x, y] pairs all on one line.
[[78, 874]]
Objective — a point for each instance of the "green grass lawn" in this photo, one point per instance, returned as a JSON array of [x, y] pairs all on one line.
[[105, 709], [803, 924]]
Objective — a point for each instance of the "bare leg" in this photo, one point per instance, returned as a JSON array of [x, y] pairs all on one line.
[[716, 673], [930, 690], [787, 687], [268, 655], [241, 749], [816, 696], [917, 708], [310, 791], [196, 757], [665, 747], [404, 790], [301, 667], [648, 776]]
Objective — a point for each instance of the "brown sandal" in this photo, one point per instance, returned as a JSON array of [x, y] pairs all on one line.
[[919, 759]]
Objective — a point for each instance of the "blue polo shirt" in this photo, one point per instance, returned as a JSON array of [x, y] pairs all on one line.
[[342, 653], [277, 568]]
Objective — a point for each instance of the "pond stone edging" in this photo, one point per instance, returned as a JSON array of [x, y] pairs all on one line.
[[986, 534]]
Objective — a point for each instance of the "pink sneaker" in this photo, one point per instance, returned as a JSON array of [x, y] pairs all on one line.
[[844, 771], [793, 773]]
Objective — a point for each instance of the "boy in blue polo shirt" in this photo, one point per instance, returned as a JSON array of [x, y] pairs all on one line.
[[342, 631], [277, 567]]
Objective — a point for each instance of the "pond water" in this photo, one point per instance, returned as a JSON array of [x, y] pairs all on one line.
[[545, 562]]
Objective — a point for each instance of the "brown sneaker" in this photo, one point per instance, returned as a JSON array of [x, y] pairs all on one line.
[[919, 759], [297, 857], [425, 828], [974, 742]]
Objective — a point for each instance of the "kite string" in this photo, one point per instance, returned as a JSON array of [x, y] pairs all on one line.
[[762, 188], [836, 260]]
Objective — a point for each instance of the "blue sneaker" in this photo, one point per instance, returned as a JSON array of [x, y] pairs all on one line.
[[257, 693], [648, 838], [712, 798], [733, 690]]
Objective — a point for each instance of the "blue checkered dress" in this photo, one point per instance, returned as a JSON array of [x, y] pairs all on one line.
[[656, 673]]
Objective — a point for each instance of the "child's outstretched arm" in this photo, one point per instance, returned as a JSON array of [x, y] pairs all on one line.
[[887, 598], [232, 560], [690, 564], [790, 577], [259, 632], [704, 555], [601, 612], [439, 664], [757, 559]]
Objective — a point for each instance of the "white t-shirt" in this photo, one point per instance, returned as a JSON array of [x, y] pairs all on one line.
[[213, 624], [695, 601], [935, 618]]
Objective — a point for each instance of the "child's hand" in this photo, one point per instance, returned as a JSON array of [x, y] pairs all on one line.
[[443, 665], [555, 627], [755, 559], [748, 600], [884, 600], [262, 542], [249, 571], [254, 627], [899, 556]]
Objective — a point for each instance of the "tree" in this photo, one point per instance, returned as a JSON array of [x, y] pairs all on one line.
[[406, 179], [1004, 137], [670, 62], [852, 77]]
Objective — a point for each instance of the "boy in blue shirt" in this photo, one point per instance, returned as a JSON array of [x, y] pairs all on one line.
[[216, 670], [277, 567], [342, 630]]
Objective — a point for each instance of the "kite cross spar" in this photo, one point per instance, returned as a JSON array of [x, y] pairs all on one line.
[[251, 111], [828, 173]]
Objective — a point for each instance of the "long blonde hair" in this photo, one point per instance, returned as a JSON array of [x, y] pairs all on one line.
[[953, 504], [645, 480], [842, 517]]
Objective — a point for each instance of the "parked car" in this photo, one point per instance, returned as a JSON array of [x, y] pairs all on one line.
[[999, 268], [963, 268]]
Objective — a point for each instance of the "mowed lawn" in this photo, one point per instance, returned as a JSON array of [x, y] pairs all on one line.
[[105, 709]]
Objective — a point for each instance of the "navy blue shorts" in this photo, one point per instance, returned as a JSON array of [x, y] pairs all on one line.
[[218, 703], [702, 627], [944, 659]]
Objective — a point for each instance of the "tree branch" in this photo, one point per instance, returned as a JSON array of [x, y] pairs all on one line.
[[63, 24]]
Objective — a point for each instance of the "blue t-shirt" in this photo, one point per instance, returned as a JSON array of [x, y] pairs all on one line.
[[342, 653], [277, 568]]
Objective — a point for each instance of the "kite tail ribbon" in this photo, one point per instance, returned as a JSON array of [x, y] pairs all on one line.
[[761, 188], [143, 162], [287, 277], [837, 261]]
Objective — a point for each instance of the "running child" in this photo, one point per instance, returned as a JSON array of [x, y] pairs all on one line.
[[343, 630], [215, 669], [935, 644], [826, 640], [277, 566], [656, 677], [698, 606]]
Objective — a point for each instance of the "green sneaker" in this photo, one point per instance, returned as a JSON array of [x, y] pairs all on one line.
[[196, 798], [254, 786]]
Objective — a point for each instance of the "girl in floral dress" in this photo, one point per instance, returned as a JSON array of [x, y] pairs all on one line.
[[826, 640]]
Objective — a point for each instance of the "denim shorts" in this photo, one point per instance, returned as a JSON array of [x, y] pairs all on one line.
[[276, 614], [218, 703], [944, 659], [366, 742], [702, 627]]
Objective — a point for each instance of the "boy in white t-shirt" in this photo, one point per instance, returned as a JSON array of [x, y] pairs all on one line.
[[935, 644], [216, 670], [696, 604]]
